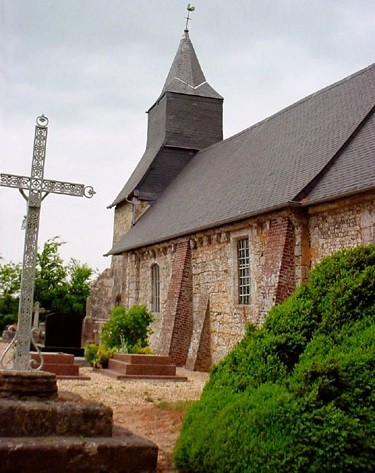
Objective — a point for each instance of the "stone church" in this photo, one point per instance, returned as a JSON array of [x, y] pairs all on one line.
[[209, 233]]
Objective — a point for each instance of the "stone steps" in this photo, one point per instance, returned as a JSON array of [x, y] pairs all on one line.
[[126, 366], [42, 432], [117, 375], [142, 369], [125, 453], [54, 418], [61, 364], [137, 359]]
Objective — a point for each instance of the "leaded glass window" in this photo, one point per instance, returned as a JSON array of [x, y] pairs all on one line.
[[243, 261]]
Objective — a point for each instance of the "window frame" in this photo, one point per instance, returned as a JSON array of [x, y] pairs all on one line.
[[243, 271], [155, 288]]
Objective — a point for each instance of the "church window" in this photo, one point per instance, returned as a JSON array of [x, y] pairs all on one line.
[[243, 260], [155, 288]]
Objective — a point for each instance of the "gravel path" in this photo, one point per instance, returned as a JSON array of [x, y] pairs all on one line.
[[110, 391]]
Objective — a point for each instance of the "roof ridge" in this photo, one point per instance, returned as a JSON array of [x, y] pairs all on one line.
[[310, 186]]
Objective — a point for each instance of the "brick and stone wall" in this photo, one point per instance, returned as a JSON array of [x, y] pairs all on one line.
[[211, 270], [177, 319], [279, 275], [199, 311]]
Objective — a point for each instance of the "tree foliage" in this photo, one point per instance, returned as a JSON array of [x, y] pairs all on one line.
[[59, 287], [296, 395], [10, 280]]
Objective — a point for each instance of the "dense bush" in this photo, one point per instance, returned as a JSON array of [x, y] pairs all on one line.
[[296, 395], [128, 330]]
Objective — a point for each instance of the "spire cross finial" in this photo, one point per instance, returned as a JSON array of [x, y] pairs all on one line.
[[189, 8]]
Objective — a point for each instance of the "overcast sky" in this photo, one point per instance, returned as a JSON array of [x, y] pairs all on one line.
[[93, 67]]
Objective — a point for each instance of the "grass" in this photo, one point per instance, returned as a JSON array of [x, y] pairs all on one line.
[[178, 406]]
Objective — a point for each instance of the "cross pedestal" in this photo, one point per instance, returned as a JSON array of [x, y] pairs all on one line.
[[34, 189]]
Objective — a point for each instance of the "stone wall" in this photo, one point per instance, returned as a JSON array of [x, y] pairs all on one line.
[[344, 224], [98, 307], [212, 268], [283, 247], [122, 220], [163, 256], [126, 214]]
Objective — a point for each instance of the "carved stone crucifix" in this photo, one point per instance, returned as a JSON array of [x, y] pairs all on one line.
[[37, 188]]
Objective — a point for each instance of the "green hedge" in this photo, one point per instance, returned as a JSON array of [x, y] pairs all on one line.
[[296, 395]]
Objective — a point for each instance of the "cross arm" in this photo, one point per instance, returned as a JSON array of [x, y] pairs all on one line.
[[11, 180], [46, 185]]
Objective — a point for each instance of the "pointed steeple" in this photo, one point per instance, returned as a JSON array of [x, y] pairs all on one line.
[[187, 117], [186, 75]]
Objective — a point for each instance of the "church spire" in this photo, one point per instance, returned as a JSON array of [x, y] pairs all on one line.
[[186, 75], [187, 117]]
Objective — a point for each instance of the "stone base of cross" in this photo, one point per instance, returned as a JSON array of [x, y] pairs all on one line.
[[34, 189]]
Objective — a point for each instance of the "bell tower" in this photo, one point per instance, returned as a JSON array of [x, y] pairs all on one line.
[[187, 117]]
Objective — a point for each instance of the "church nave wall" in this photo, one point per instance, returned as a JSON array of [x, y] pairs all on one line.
[[342, 224]]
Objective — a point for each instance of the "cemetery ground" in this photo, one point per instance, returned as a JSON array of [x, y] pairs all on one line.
[[150, 408]]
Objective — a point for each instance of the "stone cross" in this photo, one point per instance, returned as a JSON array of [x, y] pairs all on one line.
[[37, 311], [37, 188]]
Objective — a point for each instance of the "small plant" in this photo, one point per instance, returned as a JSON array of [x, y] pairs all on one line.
[[103, 355], [98, 355], [123, 347], [127, 329], [142, 350], [90, 352]]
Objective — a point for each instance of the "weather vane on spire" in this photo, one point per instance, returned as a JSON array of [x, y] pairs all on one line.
[[189, 8]]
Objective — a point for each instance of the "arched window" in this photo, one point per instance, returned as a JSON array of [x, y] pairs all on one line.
[[155, 288]]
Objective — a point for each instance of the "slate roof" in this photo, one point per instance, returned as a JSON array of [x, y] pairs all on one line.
[[140, 171], [353, 170], [319, 148], [185, 77]]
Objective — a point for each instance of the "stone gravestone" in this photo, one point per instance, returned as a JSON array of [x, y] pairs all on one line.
[[64, 334]]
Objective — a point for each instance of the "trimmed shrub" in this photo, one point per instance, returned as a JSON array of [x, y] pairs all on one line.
[[296, 395]]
